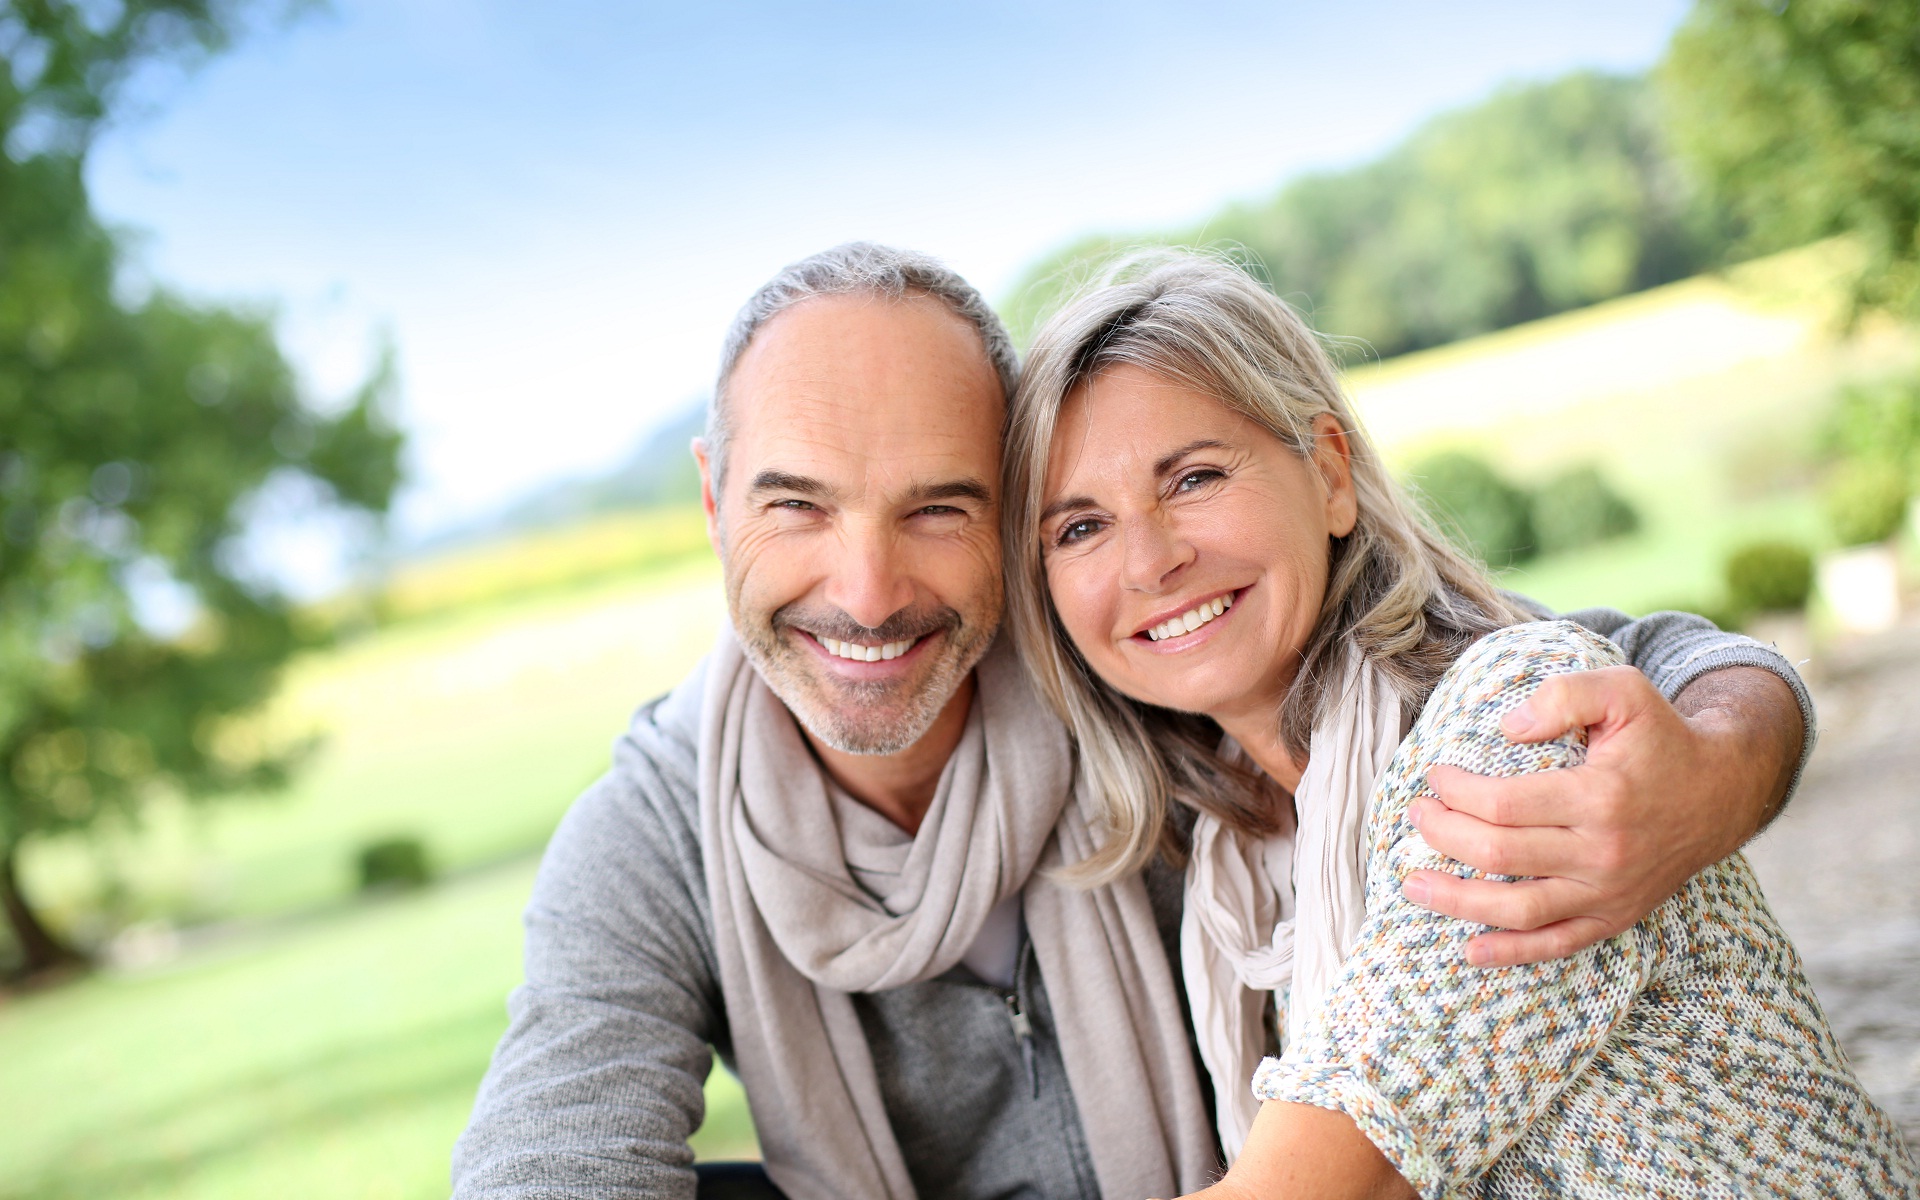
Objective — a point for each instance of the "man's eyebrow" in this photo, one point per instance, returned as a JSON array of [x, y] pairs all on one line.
[[1166, 462], [786, 481], [950, 489]]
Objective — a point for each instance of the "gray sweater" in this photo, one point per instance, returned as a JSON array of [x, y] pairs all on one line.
[[596, 1085]]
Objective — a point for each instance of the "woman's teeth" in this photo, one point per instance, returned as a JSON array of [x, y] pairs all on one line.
[[859, 653], [1190, 620]]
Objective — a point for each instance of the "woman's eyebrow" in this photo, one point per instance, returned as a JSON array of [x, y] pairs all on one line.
[[1064, 504], [1166, 462]]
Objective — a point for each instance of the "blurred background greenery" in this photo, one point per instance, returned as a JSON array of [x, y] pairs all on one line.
[[1638, 340]]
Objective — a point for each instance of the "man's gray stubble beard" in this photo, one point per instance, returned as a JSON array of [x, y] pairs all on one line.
[[826, 716]]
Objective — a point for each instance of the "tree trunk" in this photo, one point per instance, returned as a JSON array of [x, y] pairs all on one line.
[[40, 949]]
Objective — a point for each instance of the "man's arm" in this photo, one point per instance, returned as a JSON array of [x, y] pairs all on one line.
[[597, 1084], [1689, 756]]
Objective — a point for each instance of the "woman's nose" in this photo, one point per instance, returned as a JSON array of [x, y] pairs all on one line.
[[1154, 553]]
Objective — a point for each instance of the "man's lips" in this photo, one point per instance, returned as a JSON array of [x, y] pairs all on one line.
[[841, 655]]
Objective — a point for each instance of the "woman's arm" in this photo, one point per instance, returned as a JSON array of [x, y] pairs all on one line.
[[1440, 1065], [1300, 1150]]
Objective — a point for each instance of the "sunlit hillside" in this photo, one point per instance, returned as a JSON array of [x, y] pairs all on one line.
[[1702, 400]]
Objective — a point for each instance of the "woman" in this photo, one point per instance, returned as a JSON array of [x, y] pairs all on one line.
[[1221, 590]]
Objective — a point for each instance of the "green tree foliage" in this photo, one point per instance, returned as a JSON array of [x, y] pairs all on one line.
[[1577, 508], [1866, 501], [1801, 118], [134, 435], [1484, 514], [1769, 577], [1542, 199]]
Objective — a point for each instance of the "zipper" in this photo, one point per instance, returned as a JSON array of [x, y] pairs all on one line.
[[1023, 1031], [1023, 1024]]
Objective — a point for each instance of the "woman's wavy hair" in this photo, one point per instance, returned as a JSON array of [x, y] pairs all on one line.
[[1396, 589]]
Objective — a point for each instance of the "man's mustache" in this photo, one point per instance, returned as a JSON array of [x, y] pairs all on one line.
[[906, 625]]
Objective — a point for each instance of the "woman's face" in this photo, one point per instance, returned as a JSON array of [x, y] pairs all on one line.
[[1185, 546]]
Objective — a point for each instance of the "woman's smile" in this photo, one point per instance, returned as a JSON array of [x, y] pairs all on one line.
[[1183, 630]]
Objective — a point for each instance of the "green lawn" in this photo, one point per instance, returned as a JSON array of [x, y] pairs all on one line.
[[473, 732], [332, 1056]]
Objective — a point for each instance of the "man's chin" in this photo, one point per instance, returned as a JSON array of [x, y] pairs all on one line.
[[869, 718]]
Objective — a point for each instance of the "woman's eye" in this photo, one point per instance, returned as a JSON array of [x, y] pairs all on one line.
[[1074, 531], [1198, 479]]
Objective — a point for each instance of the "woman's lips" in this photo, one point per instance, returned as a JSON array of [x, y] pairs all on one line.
[[1184, 623]]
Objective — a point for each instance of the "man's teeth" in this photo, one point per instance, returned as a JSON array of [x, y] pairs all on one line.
[[1190, 620], [859, 653]]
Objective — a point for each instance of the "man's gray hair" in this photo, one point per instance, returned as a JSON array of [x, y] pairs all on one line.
[[853, 269]]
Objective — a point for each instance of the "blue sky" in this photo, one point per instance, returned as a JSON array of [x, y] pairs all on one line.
[[553, 209]]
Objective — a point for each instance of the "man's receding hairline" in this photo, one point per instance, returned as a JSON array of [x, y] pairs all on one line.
[[983, 355], [856, 269]]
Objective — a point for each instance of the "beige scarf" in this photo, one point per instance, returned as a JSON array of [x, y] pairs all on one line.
[[1274, 918], [795, 932]]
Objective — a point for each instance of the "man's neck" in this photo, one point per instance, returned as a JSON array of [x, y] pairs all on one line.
[[900, 787]]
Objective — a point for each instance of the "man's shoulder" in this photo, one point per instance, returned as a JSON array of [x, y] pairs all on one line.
[[642, 817]]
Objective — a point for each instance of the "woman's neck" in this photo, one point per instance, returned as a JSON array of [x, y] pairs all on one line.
[[1258, 733]]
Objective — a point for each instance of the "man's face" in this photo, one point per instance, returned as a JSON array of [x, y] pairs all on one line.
[[858, 522]]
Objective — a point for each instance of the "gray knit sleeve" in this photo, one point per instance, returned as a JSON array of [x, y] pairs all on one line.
[[597, 1084], [1675, 648]]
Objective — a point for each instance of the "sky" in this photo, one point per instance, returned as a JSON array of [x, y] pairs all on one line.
[[551, 211]]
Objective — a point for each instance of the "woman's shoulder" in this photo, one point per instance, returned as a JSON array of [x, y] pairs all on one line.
[[1517, 658]]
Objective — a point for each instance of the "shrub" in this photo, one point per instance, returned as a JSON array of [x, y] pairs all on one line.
[[1483, 513], [1578, 508], [1769, 577], [399, 862], [1867, 501]]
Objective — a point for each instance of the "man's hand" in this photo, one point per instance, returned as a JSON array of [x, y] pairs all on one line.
[[1666, 791]]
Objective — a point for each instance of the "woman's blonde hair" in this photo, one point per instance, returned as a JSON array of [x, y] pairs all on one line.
[[1395, 588]]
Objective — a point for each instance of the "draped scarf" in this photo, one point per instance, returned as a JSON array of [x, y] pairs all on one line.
[[797, 932], [1271, 920]]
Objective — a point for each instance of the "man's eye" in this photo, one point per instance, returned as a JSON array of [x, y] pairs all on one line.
[[937, 510], [1074, 531], [793, 505]]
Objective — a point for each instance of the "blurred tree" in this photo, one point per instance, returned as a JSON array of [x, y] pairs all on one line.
[[1539, 200], [1804, 119], [135, 434], [1577, 508], [1480, 511]]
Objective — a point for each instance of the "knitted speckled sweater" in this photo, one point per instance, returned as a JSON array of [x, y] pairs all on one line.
[[1686, 1057]]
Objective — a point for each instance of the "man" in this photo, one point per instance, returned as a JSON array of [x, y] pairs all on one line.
[[825, 854]]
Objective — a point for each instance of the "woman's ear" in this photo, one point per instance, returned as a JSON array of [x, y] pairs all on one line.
[[1333, 458]]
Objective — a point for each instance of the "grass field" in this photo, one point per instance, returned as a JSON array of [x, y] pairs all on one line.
[[333, 1057], [296, 1041]]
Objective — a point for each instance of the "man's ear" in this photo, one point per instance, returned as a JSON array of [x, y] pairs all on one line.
[[1333, 458], [707, 502]]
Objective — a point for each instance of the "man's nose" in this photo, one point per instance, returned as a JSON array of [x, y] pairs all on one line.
[[1153, 552], [868, 580]]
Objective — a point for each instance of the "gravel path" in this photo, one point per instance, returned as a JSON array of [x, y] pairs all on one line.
[[1841, 866]]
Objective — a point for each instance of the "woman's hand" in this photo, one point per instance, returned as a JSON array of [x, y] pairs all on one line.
[[1666, 791]]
